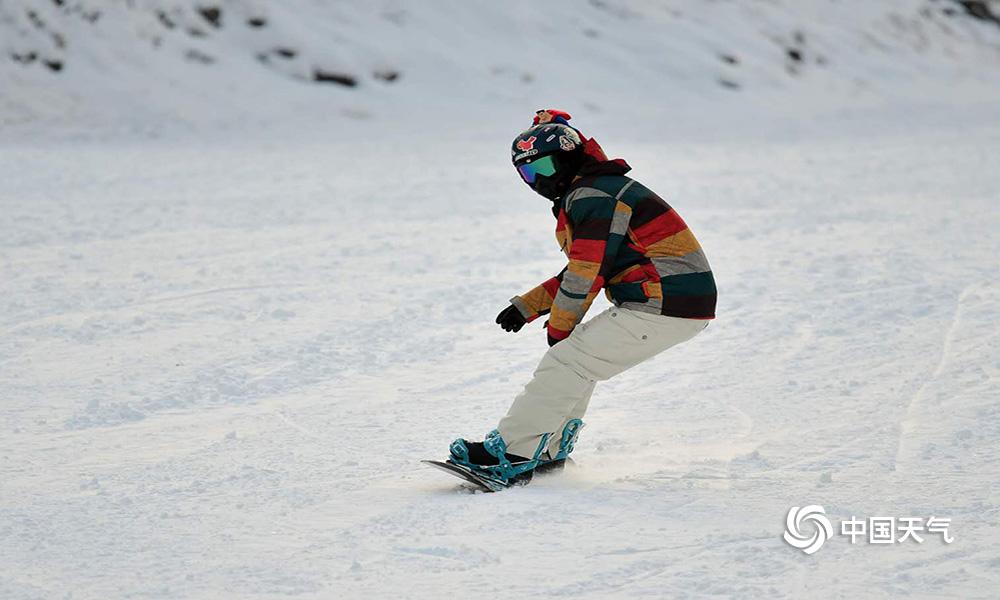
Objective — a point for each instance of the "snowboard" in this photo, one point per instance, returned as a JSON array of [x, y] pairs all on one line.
[[487, 484], [466, 474]]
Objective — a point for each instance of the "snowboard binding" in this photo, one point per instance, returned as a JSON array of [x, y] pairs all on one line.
[[570, 434], [504, 469], [492, 462]]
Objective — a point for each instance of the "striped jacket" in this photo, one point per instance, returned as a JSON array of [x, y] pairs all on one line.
[[621, 237]]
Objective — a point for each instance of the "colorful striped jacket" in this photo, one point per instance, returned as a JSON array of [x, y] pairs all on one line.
[[621, 237]]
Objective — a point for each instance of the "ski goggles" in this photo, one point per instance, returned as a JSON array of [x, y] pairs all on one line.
[[545, 166]]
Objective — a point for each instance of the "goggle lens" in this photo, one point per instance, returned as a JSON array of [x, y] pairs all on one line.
[[545, 166]]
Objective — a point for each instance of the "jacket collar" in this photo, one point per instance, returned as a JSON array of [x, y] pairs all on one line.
[[617, 166], [589, 170]]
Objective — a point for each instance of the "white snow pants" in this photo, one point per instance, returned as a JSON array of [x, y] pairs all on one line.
[[610, 343]]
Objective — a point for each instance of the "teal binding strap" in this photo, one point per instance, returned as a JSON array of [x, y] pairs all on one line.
[[459, 452], [505, 469], [569, 435]]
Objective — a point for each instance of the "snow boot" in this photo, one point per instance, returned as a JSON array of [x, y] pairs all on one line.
[[490, 459]]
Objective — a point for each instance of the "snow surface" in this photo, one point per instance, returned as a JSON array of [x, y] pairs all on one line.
[[237, 308]]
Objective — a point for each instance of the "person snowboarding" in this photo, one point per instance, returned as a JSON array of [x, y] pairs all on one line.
[[618, 236]]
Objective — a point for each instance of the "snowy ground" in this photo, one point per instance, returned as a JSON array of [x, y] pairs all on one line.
[[222, 359]]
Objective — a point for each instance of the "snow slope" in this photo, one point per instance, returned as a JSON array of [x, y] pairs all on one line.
[[221, 363], [140, 65], [237, 308]]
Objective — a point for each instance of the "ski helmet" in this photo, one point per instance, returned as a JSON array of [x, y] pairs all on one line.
[[548, 156]]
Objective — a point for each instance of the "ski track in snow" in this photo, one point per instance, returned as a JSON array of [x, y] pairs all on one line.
[[946, 355], [222, 361]]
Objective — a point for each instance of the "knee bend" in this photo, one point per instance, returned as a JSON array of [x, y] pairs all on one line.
[[565, 355]]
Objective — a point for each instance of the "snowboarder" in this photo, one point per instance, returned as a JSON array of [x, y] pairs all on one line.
[[619, 236]]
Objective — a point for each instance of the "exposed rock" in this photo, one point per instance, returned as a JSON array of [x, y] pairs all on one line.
[[387, 75], [321, 76], [198, 56], [980, 9], [212, 14], [25, 59], [165, 20]]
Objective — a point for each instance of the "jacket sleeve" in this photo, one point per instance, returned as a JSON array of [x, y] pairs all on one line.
[[599, 224], [538, 301]]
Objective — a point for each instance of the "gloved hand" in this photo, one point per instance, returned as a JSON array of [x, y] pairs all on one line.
[[552, 341], [511, 319]]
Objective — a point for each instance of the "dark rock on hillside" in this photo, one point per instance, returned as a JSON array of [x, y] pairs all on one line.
[[321, 76], [212, 14], [980, 9]]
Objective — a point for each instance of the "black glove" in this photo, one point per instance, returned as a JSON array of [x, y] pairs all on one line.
[[511, 319]]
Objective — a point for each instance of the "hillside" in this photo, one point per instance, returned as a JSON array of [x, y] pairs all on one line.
[[117, 62]]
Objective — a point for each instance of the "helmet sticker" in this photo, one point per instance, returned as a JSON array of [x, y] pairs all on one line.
[[531, 152], [566, 144], [527, 144], [550, 138]]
